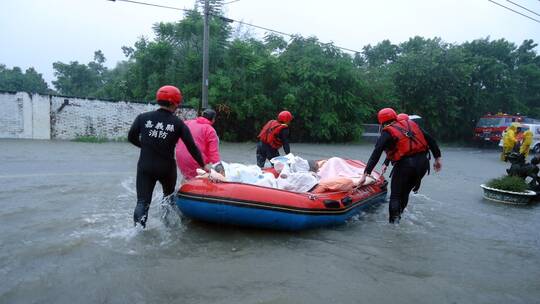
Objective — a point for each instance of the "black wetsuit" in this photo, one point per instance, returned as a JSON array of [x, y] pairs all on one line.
[[406, 174], [265, 151], [157, 133]]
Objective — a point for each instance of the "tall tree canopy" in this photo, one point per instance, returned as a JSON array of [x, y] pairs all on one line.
[[15, 80], [80, 79], [331, 93]]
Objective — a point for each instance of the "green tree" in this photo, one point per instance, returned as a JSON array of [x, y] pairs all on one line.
[[431, 78], [322, 88], [527, 75], [492, 83], [82, 80], [115, 83], [175, 57], [29, 81], [244, 90], [383, 53], [377, 69], [330, 93]]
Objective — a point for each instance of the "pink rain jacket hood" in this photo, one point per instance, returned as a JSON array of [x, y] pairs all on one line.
[[207, 141]]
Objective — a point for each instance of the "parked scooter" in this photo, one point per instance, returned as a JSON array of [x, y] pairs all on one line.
[[520, 168]]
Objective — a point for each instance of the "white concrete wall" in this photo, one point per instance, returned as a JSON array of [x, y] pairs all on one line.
[[48, 116], [41, 116], [15, 115], [74, 117], [11, 116], [27, 115]]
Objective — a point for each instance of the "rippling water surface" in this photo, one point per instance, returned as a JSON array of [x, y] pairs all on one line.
[[67, 237]]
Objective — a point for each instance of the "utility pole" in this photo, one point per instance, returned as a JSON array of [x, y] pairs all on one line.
[[206, 35]]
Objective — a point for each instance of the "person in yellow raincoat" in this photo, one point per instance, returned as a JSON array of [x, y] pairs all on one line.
[[526, 144], [509, 139]]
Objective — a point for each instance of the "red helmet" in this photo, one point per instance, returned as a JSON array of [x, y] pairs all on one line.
[[285, 117], [169, 93], [402, 116], [386, 114]]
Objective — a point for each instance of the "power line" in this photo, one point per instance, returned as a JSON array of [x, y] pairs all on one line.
[[516, 5], [276, 31], [233, 1], [514, 11], [252, 25], [155, 5], [237, 21]]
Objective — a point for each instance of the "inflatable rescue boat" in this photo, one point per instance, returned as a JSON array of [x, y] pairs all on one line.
[[269, 208]]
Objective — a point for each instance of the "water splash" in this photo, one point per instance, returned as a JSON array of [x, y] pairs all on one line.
[[426, 198], [170, 215], [110, 224]]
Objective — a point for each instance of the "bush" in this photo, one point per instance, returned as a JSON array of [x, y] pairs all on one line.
[[508, 183]]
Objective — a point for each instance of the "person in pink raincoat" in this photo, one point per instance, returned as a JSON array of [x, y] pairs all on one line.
[[207, 141]]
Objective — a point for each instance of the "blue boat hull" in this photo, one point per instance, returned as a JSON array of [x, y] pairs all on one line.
[[226, 212]]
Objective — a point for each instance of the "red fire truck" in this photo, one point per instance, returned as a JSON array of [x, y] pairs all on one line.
[[489, 128]]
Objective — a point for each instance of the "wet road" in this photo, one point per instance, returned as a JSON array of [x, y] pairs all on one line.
[[67, 237]]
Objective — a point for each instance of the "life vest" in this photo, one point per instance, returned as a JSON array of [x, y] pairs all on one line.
[[408, 137], [269, 133]]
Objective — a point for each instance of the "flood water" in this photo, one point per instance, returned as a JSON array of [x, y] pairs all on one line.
[[67, 237]]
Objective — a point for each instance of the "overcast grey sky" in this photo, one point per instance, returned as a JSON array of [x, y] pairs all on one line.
[[39, 32]]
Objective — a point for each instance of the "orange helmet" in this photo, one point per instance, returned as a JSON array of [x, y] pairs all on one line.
[[169, 93], [386, 114], [285, 117], [402, 116]]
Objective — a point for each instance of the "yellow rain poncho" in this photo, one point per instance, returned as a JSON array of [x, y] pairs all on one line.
[[527, 142], [509, 140]]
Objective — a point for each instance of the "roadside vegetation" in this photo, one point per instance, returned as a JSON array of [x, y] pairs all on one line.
[[508, 183], [98, 139], [331, 93], [91, 139]]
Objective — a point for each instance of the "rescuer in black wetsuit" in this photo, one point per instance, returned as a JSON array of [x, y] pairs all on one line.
[[407, 146], [274, 135], [157, 133]]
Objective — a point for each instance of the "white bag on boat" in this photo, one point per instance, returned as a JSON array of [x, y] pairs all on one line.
[[299, 164], [240, 173], [282, 158], [267, 180], [295, 163], [297, 181]]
